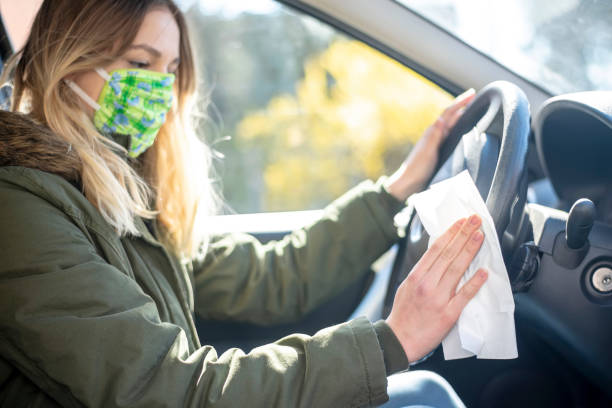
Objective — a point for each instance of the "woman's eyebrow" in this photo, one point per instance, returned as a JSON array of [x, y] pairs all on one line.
[[147, 48], [155, 53]]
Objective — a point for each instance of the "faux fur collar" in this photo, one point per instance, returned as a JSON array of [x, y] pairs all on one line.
[[26, 143]]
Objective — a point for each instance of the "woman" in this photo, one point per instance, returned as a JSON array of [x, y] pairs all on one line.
[[102, 268]]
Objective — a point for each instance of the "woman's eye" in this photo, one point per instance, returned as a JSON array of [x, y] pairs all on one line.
[[139, 64]]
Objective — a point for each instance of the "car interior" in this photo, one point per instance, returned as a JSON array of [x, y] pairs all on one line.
[[542, 164]]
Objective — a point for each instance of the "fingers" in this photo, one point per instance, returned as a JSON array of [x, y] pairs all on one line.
[[453, 120], [467, 292], [451, 115], [459, 103], [441, 126], [468, 94], [450, 279], [448, 256], [430, 256]]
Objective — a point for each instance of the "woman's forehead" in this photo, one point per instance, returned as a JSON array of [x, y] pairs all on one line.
[[160, 31]]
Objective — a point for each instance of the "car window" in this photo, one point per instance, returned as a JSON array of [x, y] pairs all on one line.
[[310, 111]]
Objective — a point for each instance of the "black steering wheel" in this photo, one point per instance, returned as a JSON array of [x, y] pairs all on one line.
[[490, 140]]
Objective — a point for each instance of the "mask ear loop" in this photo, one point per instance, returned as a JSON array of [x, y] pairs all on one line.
[[103, 74], [77, 89]]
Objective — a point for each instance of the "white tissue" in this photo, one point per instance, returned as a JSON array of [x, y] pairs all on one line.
[[486, 325]]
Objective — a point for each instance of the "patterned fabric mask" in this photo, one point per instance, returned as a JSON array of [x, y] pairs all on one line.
[[133, 102]]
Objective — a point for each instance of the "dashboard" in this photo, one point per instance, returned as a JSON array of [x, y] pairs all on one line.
[[574, 143], [569, 297]]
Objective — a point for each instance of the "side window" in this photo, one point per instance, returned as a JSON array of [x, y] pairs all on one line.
[[310, 111]]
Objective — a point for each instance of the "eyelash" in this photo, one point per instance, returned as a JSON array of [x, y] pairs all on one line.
[[144, 65], [139, 64]]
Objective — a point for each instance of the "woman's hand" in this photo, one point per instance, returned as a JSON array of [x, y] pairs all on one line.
[[426, 306], [419, 165]]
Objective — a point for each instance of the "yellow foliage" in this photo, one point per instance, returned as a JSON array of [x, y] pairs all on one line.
[[355, 115]]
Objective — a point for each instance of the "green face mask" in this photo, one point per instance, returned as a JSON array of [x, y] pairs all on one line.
[[133, 102]]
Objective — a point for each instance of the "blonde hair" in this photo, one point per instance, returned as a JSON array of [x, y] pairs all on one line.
[[172, 180]]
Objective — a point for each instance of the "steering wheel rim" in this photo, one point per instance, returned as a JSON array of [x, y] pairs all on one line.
[[500, 110]]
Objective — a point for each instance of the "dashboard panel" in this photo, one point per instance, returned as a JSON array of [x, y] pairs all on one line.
[[574, 140]]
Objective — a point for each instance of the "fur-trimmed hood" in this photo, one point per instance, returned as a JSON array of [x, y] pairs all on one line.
[[26, 143]]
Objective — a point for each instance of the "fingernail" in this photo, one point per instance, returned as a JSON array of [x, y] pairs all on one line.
[[477, 236], [466, 93], [482, 274], [474, 219]]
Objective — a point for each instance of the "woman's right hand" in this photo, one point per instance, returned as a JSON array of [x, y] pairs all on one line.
[[427, 305]]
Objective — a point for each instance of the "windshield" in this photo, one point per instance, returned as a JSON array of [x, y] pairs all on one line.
[[561, 45]]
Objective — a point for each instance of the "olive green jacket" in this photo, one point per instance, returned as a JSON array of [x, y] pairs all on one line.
[[88, 318]]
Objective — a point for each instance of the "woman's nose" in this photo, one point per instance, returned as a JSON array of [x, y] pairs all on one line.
[[162, 68]]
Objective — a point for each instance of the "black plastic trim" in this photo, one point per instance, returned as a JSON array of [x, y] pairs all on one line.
[[6, 48], [572, 135]]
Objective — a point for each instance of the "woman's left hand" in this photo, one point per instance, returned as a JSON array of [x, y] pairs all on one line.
[[417, 168]]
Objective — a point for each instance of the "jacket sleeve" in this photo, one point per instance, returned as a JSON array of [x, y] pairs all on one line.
[[241, 279], [87, 334]]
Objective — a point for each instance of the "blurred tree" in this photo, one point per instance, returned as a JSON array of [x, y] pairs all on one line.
[[247, 59], [355, 114], [311, 113]]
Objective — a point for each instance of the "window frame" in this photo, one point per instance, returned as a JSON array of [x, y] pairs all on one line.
[[489, 70], [444, 83]]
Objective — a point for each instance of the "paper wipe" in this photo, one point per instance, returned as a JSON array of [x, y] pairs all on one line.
[[486, 325]]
